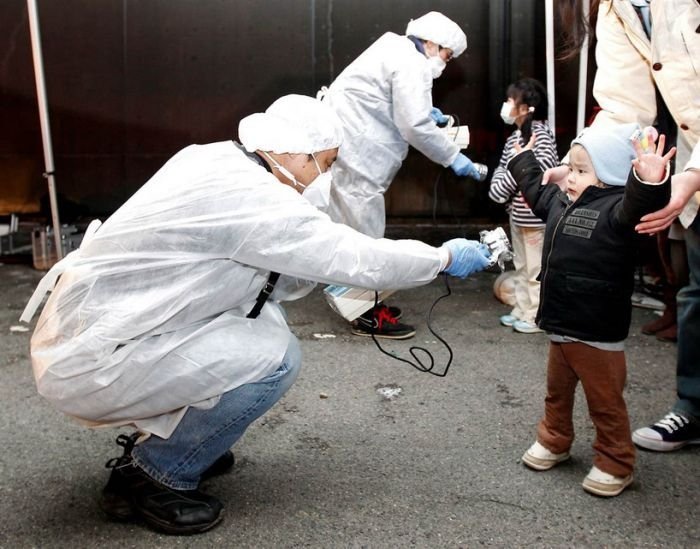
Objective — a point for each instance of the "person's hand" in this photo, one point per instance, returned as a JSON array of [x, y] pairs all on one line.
[[528, 146], [466, 257], [683, 187], [439, 118], [649, 164], [462, 166], [556, 176]]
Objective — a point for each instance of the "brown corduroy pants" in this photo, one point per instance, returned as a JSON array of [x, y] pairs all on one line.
[[602, 375]]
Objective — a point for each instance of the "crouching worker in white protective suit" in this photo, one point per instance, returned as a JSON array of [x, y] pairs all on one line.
[[160, 320], [384, 100]]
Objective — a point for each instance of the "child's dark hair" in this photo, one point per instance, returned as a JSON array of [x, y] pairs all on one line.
[[531, 92]]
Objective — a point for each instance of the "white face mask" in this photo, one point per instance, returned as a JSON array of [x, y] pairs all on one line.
[[285, 172], [505, 113], [318, 192], [437, 65]]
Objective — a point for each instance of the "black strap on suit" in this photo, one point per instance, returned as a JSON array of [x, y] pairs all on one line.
[[263, 295]]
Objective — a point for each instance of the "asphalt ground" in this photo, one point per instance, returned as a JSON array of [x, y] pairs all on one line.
[[365, 451]]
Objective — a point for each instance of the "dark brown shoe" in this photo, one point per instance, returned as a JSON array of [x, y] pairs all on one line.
[[664, 321], [670, 334]]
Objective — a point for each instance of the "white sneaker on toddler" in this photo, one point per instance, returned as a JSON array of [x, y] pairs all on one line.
[[539, 458], [604, 484]]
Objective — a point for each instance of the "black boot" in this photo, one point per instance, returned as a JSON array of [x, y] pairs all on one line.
[[167, 510], [131, 493], [115, 497], [220, 467]]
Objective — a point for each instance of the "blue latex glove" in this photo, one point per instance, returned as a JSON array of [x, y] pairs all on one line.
[[437, 115], [462, 166], [468, 256]]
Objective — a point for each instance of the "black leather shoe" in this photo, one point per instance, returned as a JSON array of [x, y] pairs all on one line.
[[167, 510], [115, 500], [131, 493], [221, 466]]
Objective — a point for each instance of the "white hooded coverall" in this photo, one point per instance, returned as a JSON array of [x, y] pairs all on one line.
[[383, 99], [149, 315]]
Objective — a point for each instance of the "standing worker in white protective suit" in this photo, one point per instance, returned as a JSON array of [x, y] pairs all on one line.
[[384, 100], [161, 320]]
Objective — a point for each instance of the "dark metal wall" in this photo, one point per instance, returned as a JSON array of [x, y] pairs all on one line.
[[130, 82]]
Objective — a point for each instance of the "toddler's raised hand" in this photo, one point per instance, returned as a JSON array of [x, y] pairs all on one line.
[[650, 165]]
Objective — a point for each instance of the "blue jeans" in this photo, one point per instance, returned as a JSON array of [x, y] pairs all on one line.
[[688, 367], [204, 435]]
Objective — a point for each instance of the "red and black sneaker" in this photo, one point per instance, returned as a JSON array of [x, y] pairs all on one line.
[[382, 323], [393, 311]]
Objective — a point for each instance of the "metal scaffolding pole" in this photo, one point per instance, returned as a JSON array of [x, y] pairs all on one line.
[[582, 75], [549, 17], [44, 120]]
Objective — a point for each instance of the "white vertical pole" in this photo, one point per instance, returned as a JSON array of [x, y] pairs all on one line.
[[582, 75], [549, 17], [44, 120]]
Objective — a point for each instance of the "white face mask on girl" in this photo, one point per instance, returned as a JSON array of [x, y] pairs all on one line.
[[506, 109], [437, 65]]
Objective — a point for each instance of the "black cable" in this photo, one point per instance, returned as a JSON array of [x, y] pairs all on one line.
[[418, 365], [435, 194], [455, 217]]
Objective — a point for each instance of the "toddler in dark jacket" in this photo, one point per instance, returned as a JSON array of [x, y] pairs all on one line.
[[587, 278]]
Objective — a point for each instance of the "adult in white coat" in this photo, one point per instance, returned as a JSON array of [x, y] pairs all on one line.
[[160, 320], [384, 101], [644, 46]]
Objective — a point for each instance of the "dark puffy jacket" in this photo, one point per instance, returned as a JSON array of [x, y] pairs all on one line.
[[589, 252]]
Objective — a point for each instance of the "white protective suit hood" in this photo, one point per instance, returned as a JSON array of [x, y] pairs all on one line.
[[437, 28], [293, 124]]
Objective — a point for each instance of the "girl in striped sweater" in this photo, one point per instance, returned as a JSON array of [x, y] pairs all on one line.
[[526, 107]]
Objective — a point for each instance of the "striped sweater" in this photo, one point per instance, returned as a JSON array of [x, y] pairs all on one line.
[[504, 189]]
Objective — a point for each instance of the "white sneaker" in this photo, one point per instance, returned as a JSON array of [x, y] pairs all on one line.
[[604, 484], [647, 302], [525, 327], [539, 458], [507, 320]]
